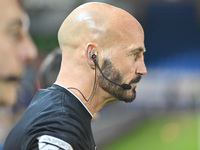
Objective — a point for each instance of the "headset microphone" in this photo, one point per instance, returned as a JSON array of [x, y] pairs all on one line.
[[93, 55]]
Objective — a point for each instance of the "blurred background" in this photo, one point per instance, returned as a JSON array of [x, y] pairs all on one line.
[[166, 112]]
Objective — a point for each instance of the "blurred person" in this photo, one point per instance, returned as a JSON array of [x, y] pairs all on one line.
[[102, 61], [16, 49], [49, 69]]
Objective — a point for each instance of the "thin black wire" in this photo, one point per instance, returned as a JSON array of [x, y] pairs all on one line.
[[96, 64], [92, 89]]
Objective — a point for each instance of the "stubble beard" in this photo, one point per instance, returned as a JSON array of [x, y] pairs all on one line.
[[113, 74]]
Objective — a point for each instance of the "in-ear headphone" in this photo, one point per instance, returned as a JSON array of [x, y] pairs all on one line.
[[93, 55]]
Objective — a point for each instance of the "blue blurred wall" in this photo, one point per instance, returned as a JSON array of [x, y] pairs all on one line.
[[172, 35]]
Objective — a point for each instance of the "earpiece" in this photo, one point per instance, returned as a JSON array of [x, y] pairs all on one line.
[[93, 55]]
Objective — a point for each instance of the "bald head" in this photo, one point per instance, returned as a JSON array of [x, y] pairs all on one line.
[[95, 22]]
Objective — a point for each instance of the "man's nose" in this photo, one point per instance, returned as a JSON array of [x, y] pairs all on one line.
[[28, 51], [141, 69]]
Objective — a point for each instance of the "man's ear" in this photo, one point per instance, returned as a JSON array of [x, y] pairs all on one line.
[[91, 54]]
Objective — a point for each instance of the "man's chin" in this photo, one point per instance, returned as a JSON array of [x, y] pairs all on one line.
[[8, 94], [129, 98]]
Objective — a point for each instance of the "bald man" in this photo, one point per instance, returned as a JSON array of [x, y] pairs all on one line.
[[102, 61]]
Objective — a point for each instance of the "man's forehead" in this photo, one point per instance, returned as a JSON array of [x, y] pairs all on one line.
[[9, 8]]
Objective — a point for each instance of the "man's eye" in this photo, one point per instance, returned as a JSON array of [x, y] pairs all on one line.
[[15, 35], [134, 54]]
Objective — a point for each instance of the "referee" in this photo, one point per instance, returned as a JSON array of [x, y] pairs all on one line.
[[102, 61]]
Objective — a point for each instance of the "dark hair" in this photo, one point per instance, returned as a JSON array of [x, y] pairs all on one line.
[[50, 68]]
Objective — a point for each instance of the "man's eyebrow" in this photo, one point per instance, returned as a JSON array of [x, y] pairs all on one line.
[[15, 22], [139, 49]]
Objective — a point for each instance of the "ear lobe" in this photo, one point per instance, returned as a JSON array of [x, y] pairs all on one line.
[[90, 49]]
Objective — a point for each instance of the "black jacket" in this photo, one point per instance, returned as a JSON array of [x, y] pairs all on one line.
[[56, 112]]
